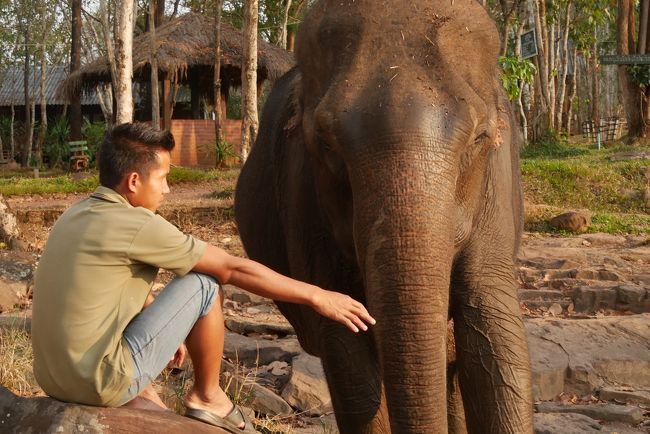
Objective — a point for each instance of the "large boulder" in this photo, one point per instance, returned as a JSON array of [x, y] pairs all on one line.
[[46, 415], [572, 221]]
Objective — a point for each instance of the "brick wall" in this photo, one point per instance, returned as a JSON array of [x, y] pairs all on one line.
[[195, 140]]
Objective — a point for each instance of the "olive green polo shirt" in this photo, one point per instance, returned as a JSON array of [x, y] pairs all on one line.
[[96, 271]]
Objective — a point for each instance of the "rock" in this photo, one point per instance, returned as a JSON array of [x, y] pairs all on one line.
[[17, 320], [625, 395], [571, 221], [279, 368], [606, 412], [9, 232], [258, 398], [633, 298], [643, 279], [540, 294], [560, 274], [545, 305], [561, 423], [307, 389], [581, 356], [555, 309], [602, 274], [45, 415], [252, 352], [629, 155], [260, 324], [604, 240], [549, 365], [11, 294], [565, 284], [318, 425], [240, 296], [591, 299]]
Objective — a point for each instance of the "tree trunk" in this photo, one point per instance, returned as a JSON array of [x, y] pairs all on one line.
[[43, 130], [572, 93], [105, 98], [541, 121], [110, 52], [124, 61], [643, 27], [155, 100], [218, 115], [27, 144], [75, 63], [595, 83], [564, 68], [249, 79], [282, 40], [12, 137], [630, 91]]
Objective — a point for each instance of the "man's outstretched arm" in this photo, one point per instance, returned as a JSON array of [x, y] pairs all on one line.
[[261, 280]]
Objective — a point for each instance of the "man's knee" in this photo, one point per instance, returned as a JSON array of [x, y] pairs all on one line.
[[205, 286]]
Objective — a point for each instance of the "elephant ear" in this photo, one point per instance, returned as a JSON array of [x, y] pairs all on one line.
[[294, 124]]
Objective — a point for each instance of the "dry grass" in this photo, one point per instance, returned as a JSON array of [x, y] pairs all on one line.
[[16, 359]]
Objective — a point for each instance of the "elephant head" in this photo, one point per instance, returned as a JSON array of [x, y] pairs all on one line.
[[399, 127]]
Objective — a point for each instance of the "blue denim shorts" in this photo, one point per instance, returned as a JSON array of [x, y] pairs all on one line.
[[155, 334]]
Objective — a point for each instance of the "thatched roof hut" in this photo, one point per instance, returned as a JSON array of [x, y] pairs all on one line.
[[185, 43]]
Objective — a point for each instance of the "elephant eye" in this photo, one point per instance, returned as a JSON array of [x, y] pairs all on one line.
[[481, 137]]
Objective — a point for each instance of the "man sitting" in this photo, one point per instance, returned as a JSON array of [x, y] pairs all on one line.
[[99, 337]]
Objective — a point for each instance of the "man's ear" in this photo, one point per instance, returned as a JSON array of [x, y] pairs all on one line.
[[132, 181]]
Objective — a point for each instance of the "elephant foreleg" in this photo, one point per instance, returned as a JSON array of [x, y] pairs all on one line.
[[354, 380], [491, 346], [455, 410]]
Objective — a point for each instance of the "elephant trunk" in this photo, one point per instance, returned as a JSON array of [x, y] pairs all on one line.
[[404, 239]]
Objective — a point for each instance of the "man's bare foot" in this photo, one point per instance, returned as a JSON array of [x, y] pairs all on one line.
[[218, 404], [148, 399], [151, 394]]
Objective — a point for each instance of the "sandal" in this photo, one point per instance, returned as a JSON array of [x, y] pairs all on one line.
[[230, 422]]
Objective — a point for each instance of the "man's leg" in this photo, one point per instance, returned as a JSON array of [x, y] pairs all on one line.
[[205, 346], [155, 334]]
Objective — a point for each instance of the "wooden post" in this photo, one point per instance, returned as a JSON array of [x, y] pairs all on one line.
[[167, 104]]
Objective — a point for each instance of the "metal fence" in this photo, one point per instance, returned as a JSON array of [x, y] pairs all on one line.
[[610, 129]]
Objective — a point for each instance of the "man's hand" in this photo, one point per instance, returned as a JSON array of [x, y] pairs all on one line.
[[179, 357], [342, 308]]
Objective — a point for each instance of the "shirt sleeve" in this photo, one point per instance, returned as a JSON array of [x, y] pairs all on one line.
[[161, 244]]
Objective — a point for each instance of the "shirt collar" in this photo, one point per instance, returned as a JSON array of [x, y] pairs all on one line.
[[110, 195]]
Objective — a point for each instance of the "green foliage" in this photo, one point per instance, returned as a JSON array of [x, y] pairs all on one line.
[[576, 177], [223, 150], [59, 184], [93, 132], [55, 148], [551, 146], [184, 174], [640, 75], [515, 72]]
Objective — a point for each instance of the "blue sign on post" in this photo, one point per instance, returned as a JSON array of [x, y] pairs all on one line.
[[528, 44]]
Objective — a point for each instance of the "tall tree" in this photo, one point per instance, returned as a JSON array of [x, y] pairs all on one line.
[[125, 21], [249, 79], [218, 115], [75, 63], [26, 150], [634, 81], [155, 100]]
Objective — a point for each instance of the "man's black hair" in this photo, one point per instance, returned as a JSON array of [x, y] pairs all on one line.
[[130, 147]]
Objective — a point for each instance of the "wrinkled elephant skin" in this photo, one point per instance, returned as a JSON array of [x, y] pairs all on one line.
[[386, 168]]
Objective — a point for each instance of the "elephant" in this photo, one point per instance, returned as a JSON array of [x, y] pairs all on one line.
[[387, 167]]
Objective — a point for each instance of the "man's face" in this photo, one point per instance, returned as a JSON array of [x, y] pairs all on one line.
[[150, 190]]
